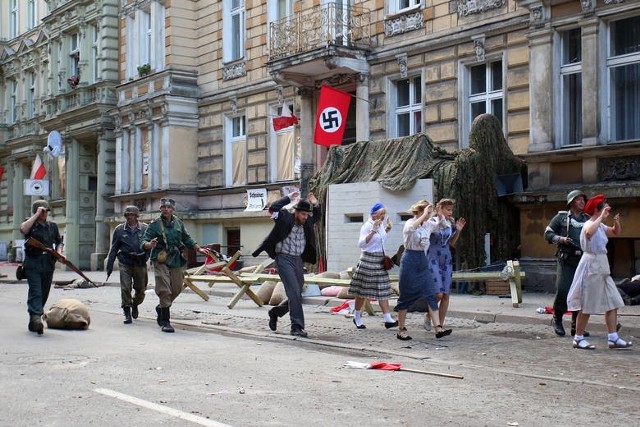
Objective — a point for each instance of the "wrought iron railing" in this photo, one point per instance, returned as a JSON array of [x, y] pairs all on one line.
[[320, 26]]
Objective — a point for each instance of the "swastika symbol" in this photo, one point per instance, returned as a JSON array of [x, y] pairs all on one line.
[[330, 119]]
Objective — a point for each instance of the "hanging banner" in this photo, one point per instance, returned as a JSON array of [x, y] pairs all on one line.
[[331, 120], [256, 199], [38, 170]]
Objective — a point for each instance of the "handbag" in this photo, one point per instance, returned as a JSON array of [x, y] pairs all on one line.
[[387, 263], [21, 272]]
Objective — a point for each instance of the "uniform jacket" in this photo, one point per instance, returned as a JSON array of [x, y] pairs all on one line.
[[283, 224], [49, 235], [125, 244], [559, 227], [177, 236]]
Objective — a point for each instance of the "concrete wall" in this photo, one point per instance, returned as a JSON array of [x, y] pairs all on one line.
[[345, 201]]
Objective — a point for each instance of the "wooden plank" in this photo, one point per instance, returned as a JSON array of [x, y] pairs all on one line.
[[187, 283]]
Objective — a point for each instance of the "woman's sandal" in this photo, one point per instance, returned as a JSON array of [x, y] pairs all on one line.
[[442, 332], [583, 345], [402, 335], [620, 343]]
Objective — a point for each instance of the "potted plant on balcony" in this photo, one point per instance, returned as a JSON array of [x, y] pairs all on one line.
[[144, 69]]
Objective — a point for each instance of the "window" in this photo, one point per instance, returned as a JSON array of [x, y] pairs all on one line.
[[623, 66], [484, 94], [284, 152], [13, 19], [74, 55], [30, 94], [32, 14], [407, 102], [145, 38], [13, 108], [233, 26], [399, 6], [94, 52], [236, 152], [145, 34], [570, 88]]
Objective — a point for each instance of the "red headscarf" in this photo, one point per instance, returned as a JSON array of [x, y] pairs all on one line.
[[592, 204]]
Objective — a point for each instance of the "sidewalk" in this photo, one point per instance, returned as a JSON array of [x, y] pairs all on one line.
[[483, 308]]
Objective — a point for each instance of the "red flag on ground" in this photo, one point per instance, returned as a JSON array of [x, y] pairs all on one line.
[[331, 120], [38, 171], [287, 119], [386, 366]]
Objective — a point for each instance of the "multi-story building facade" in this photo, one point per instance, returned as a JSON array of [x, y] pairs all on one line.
[[59, 63], [200, 82]]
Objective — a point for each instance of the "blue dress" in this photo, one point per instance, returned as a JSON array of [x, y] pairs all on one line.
[[440, 260]]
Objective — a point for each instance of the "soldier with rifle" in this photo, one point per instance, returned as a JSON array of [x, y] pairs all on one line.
[[39, 263]]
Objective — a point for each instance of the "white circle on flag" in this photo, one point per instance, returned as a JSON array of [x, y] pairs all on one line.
[[37, 188], [330, 119]]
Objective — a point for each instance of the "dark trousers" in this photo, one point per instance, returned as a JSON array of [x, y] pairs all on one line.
[[566, 269], [39, 272], [291, 270], [136, 277]]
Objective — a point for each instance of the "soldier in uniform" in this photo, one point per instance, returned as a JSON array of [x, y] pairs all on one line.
[[132, 261], [166, 237], [39, 265], [564, 232]]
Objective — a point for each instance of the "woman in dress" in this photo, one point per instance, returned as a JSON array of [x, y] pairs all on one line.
[[415, 280], [593, 290], [370, 279], [439, 254]]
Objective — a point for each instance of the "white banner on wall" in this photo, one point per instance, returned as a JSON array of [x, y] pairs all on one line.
[[256, 199]]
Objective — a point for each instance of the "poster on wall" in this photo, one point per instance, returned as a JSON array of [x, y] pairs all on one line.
[[256, 199]]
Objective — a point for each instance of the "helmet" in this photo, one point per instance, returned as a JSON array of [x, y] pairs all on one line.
[[573, 195], [39, 203], [132, 210]]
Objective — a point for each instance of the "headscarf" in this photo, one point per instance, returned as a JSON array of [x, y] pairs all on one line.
[[375, 208], [592, 204]]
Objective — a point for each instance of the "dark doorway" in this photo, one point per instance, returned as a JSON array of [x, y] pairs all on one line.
[[233, 241]]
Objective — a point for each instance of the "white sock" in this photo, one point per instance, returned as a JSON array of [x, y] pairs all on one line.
[[358, 317], [577, 337], [613, 336], [388, 318]]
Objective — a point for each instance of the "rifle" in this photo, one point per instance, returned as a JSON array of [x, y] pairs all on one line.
[[35, 243]]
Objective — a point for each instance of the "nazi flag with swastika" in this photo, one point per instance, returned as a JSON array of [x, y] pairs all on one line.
[[333, 108]]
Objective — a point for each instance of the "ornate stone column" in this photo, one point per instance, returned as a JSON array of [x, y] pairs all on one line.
[[72, 229], [362, 108], [103, 206], [590, 86], [306, 138], [17, 198]]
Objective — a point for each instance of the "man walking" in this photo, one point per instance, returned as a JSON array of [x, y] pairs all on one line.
[[166, 237], [564, 231], [291, 242], [132, 261], [39, 265]]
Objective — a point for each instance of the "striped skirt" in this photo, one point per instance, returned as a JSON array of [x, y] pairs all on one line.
[[370, 280]]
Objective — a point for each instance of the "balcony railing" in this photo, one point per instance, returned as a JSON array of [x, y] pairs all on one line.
[[78, 98], [318, 27]]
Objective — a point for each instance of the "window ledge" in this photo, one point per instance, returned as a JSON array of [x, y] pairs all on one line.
[[407, 20]]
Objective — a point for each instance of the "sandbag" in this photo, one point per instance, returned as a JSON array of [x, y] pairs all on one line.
[[278, 295], [265, 291], [68, 314], [344, 293]]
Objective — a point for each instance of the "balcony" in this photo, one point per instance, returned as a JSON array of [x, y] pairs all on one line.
[[85, 99], [320, 42]]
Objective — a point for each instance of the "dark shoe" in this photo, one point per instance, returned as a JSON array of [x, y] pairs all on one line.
[[127, 315], [619, 343], [583, 345], [359, 327], [389, 325], [273, 321], [134, 312], [159, 311], [35, 324], [402, 335], [442, 332], [557, 327], [299, 333]]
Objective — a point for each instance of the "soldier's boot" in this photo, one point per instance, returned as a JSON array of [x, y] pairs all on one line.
[[35, 324], [166, 320], [159, 311], [557, 326], [134, 311], [127, 315], [574, 317]]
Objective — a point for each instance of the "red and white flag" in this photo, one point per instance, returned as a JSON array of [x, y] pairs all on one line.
[[287, 119], [331, 120], [38, 170]]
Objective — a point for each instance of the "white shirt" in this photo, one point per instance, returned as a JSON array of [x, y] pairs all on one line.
[[376, 243], [416, 236]]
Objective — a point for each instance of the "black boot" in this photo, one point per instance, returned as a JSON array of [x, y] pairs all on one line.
[[35, 324], [127, 315], [159, 311], [166, 317], [134, 311], [557, 326], [574, 317]]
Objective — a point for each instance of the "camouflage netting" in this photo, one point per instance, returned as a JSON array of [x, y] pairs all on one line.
[[468, 176]]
